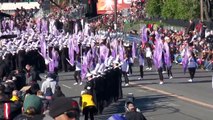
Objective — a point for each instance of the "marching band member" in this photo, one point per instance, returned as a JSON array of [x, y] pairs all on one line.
[[77, 73], [148, 57], [167, 58], [125, 69], [141, 63], [192, 65]]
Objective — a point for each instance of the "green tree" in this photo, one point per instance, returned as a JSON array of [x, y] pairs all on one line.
[[153, 8], [193, 8], [177, 9], [169, 8], [181, 11]]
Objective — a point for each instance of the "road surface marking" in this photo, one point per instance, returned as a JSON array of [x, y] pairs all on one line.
[[67, 86], [175, 95]]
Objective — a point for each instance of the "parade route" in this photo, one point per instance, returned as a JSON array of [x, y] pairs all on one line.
[[97, 59], [176, 99], [178, 96]]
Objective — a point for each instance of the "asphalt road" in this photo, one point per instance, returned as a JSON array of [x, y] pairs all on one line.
[[177, 99]]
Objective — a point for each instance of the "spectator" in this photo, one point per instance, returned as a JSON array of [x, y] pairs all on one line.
[[66, 111], [31, 76], [191, 27], [6, 106], [50, 82], [32, 107], [15, 96], [20, 79], [132, 114], [87, 105], [9, 87]]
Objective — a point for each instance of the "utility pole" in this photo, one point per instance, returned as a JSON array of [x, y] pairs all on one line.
[[115, 12], [201, 10]]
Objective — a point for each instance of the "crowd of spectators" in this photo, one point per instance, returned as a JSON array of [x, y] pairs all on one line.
[[29, 102], [35, 101], [107, 22], [198, 37], [20, 19], [24, 18], [77, 11]]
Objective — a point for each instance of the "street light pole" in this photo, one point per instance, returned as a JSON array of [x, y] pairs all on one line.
[[115, 12]]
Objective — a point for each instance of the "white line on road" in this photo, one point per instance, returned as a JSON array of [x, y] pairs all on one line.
[[175, 95], [67, 86]]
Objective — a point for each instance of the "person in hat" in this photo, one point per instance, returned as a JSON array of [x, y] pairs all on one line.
[[90, 83], [118, 76], [32, 107], [87, 105], [69, 110]]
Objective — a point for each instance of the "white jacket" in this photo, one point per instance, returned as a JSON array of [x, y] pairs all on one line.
[[49, 82]]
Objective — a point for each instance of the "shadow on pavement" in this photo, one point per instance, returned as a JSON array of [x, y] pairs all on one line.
[[146, 104]]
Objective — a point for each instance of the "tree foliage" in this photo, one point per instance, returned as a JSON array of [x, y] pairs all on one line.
[[177, 9], [153, 7]]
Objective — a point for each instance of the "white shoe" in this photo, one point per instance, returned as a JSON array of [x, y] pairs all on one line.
[[126, 84], [161, 83], [147, 68], [127, 74], [150, 68], [75, 83], [164, 72], [190, 80], [170, 77], [139, 78], [80, 83]]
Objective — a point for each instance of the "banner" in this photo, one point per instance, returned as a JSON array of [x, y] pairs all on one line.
[[108, 6]]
